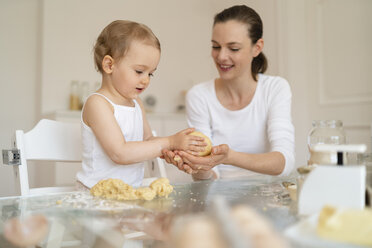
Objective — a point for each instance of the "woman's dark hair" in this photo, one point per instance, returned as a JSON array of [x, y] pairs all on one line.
[[246, 15]]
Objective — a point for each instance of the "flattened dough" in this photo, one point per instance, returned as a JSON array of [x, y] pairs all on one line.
[[118, 190], [146, 193]]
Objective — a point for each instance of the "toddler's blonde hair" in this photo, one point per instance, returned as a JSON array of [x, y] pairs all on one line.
[[116, 38]]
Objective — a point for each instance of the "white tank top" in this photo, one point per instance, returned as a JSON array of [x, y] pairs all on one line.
[[96, 164]]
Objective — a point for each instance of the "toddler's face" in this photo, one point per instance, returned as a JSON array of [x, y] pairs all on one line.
[[131, 74]]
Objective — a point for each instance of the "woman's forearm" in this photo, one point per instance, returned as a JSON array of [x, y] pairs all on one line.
[[271, 163], [204, 175]]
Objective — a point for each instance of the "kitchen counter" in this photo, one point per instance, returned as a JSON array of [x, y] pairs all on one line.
[[91, 221]]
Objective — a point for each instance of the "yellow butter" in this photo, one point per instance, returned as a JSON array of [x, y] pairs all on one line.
[[346, 225]]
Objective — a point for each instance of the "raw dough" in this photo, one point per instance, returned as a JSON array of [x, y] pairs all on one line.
[[118, 190], [346, 225], [146, 193], [177, 158], [162, 187], [114, 189], [208, 148]]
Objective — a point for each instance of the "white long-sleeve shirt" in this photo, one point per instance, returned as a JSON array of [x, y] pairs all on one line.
[[264, 125]]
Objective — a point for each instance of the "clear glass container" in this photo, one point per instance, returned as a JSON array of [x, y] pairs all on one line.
[[325, 132], [74, 95], [366, 159]]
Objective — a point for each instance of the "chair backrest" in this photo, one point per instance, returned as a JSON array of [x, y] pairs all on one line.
[[160, 162], [51, 141], [155, 169]]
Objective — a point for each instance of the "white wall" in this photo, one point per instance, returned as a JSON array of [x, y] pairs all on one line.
[[325, 51], [292, 62], [20, 74], [70, 29]]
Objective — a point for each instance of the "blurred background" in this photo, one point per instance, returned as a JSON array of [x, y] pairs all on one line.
[[322, 47]]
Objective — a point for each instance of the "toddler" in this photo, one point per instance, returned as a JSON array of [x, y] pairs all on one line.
[[116, 136]]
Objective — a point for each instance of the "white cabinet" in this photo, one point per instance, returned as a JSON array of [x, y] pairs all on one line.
[[65, 115], [166, 124]]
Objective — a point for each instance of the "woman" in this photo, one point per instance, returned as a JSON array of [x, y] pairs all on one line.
[[249, 113]]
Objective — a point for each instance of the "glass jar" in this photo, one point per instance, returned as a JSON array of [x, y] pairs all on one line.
[[366, 159], [325, 132], [74, 95]]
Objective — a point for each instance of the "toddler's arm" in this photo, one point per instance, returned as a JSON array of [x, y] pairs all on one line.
[[98, 115]]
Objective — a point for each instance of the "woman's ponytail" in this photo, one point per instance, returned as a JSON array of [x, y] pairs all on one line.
[[259, 65]]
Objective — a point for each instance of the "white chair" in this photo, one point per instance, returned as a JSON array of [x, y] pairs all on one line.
[[155, 169], [49, 140], [56, 141]]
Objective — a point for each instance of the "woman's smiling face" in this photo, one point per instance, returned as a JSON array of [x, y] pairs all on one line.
[[232, 49]]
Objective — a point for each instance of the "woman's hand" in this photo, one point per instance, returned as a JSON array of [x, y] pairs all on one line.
[[172, 158], [197, 166], [190, 143], [219, 155]]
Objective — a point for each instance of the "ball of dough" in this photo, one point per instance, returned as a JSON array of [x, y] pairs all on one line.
[[208, 148]]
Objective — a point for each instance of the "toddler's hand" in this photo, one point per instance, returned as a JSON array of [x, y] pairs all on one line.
[[188, 143]]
